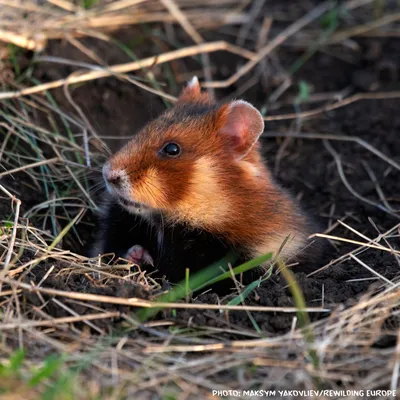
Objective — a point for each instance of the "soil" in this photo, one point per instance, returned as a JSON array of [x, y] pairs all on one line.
[[304, 166]]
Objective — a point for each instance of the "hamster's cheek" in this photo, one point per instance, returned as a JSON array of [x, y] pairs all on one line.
[[150, 189]]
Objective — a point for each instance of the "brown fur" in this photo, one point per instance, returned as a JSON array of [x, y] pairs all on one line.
[[207, 187]]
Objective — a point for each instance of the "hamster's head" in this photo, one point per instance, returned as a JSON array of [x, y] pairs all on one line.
[[182, 163]]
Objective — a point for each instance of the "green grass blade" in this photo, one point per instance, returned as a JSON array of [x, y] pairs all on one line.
[[204, 278]]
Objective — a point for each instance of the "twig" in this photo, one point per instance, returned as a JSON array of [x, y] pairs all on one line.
[[344, 138], [133, 66], [176, 12], [360, 29], [261, 41], [377, 185], [371, 270], [174, 9], [28, 166], [358, 249], [76, 315], [246, 28], [84, 49], [334, 106], [28, 6], [338, 162], [87, 195], [119, 5], [37, 42], [59, 321], [278, 40], [136, 302], [66, 5], [10, 250], [88, 125], [60, 60], [340, 239], [185, 348]]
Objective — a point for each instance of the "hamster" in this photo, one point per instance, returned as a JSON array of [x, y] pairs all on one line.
[[195, 177]]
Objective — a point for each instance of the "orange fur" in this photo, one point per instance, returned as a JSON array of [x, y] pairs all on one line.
[[208, 186]]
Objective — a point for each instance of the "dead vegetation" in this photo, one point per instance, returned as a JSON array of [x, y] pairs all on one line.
[[76, 318]]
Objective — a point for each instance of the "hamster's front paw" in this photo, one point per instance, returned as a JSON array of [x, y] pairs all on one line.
[[138, 255]]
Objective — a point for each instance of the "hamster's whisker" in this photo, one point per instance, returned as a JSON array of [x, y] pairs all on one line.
[[95, 188], [160, 235], [152, 190]]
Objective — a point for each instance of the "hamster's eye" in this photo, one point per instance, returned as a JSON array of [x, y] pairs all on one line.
[[171, 149]]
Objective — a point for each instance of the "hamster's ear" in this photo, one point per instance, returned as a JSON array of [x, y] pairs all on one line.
[[242, 125], [193, 94]]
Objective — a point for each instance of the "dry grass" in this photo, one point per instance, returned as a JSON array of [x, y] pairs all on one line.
[[76, 318]]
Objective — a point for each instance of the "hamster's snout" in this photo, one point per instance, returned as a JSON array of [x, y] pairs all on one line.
[[114, 178], [118, 185]]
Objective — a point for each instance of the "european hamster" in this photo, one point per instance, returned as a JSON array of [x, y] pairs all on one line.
[[195, 178]]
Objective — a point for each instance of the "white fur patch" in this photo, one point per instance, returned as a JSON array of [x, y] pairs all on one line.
[[251, 169], [193, 82]]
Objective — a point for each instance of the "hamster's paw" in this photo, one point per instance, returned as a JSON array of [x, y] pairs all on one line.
[[138, 255]]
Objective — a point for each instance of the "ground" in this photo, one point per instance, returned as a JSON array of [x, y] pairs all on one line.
[[340, 179]]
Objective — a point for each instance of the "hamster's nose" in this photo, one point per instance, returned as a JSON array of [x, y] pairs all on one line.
[[112, 177]]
